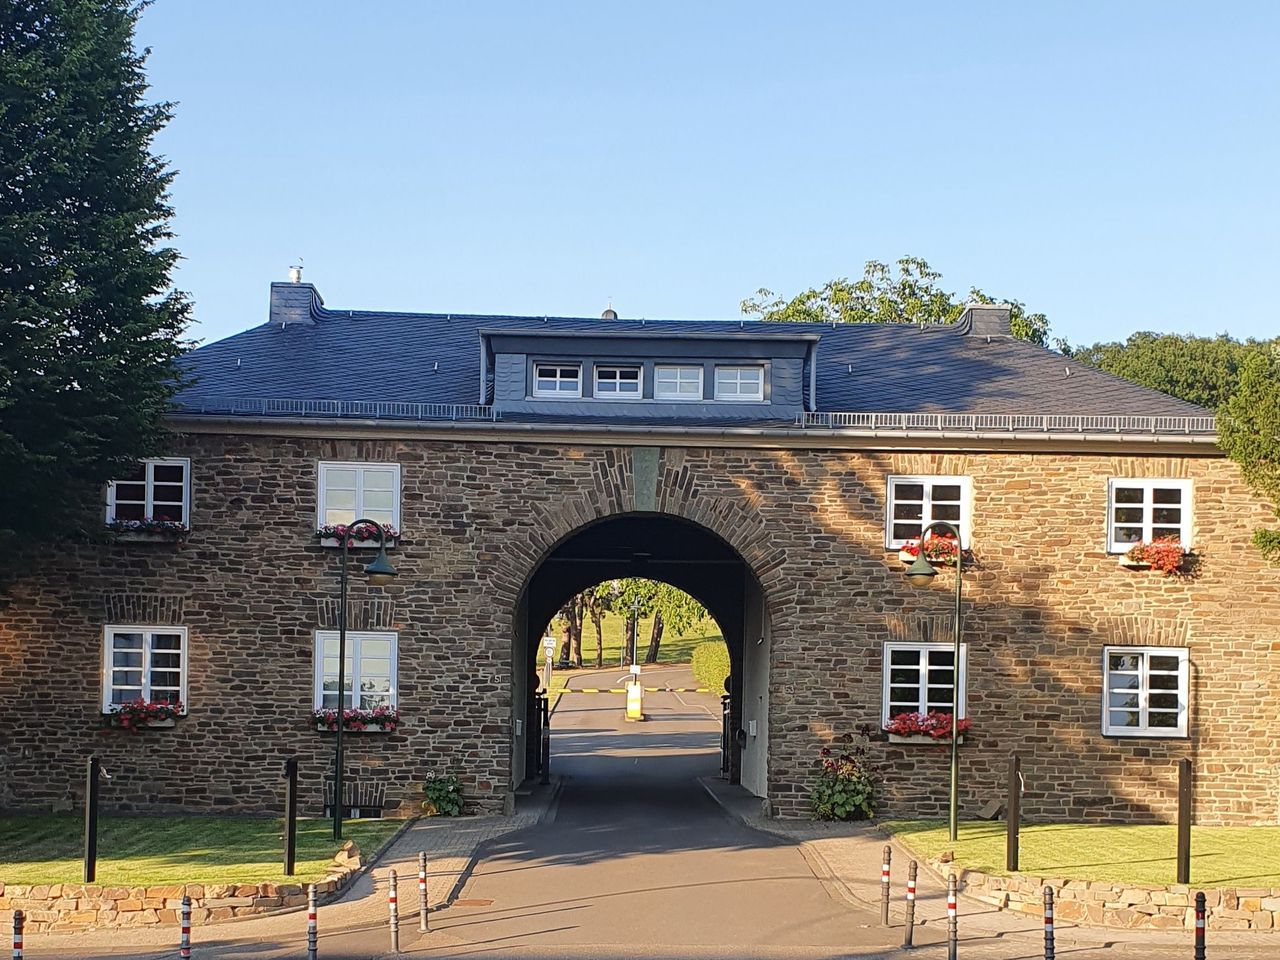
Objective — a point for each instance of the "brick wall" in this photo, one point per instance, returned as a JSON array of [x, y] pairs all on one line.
[[251, 585]]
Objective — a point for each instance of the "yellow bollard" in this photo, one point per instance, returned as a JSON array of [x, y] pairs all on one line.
[[635, 695]]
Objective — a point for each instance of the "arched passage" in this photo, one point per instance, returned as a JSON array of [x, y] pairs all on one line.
[[684, 554]]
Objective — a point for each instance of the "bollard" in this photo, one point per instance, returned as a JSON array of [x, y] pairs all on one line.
[[184, 941], [909, 930], [312, 944], [394, 911], [290, 814], [884, 886], [1199, 926], [422, 892], [92, 768], [951, 916], [1048, 924], [19, 918]]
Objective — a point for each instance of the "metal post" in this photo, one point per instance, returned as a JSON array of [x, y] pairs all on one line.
[[1184, 821], [19, 918], [1013, 814], [1199, 955], [726, 744], [546, 740], [1048, 924], [422, 892], [951, 917], [312, 933], [184, 943], [884, 885], [957, 632], [394, 912], [290, 814], [91, 820], [908, 931], [342, 681]]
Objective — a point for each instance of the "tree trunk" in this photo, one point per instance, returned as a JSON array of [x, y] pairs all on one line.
[[579, 618], [597, 619], [655, 639]]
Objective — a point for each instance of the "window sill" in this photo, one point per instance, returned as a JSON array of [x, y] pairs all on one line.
[[1146, 735], [153, 724], [334, 543], [147, 537], [923, 740], [322, 728], [1133, 564]]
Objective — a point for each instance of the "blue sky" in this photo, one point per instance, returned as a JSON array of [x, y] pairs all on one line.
[[1112, 165]]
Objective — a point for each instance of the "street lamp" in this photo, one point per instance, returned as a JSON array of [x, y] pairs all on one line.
[[380, 573], [921, 574]]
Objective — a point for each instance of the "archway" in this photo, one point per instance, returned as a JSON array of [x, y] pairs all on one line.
[[684, 554]]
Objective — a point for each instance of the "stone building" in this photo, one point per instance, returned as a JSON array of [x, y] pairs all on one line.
[[772, 470]]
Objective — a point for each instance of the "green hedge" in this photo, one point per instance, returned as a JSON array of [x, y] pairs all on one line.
[[711, 664]]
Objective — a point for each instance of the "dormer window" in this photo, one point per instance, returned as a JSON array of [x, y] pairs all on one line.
[[672, 382], [740, 383], [617, 382], [557, 380]]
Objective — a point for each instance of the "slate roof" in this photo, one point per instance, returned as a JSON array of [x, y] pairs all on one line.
[[434, 358]]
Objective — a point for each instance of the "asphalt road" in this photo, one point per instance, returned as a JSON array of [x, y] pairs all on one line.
[[638, 860]]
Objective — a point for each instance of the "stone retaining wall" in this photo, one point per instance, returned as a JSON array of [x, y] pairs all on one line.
[[1126, 905]]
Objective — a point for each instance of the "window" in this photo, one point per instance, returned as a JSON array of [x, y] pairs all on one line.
[[614, 383], [148, 663], [1146, 692], [370, 669], [557, 380], [677, 383], [155, 490], [916, 502], [1147, 509], [352, 491], [740, 383], [918, 677]]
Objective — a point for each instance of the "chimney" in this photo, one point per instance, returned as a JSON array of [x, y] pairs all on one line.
[[609, 314], [986, 320], [294, 301]]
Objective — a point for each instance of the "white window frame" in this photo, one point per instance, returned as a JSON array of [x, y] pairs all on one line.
[[360, 467], [1144, 691], [922, 704], [680, 369], [1148, 485], [737, 370], [560, 367], [929, 481], [596, 369], [354, 640], [147, 631], [149, 482]]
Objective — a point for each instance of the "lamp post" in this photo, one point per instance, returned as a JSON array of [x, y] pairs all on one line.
[[921, 574], [380, 572]]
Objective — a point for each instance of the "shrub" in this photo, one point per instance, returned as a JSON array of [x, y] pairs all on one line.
[[711, 664], [846, 786], [444, 796]]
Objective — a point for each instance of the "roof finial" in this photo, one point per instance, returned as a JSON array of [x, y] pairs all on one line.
[[609, 312]]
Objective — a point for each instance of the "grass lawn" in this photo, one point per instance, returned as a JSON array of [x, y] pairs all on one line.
[[674, 649], [144, 851], [1220, 856]]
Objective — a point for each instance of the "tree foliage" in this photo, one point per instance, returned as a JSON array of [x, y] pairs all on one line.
[[911, 295], [634, 598], [89, 322], [1249, 431]]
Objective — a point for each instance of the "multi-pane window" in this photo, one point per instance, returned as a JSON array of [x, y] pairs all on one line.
[[147, 663], [916, 502], [352, 491], [369, 679], [617, 382], [155, 490], [557, 380], [1145, 510], [919, 677], [676, 382], [1146, 692], [740, 383]]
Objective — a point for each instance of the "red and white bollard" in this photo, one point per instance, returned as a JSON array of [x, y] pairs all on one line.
[[1049, 950], [951, 917], [884, 885], [908, 931], [184, 943], [312, 931], [19, 918], [422, 892], [394, 910], [1199, 954]]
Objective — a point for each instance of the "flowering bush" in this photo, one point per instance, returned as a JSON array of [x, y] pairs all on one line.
[[148, 525], [363, 531], [444, 796], [135, 714], [846, 786], [1164, 554], [935, 724], [388, 718], [940, 549]]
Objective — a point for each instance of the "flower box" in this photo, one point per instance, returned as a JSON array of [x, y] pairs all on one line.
[[136, 714], [923, 740], [940, 551], [1163, 553], [931, 727], [377, 720], [1124, 561], [332, 535], [325, 728], [148, 531]]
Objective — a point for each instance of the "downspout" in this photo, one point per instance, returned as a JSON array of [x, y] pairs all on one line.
[[813, 375]]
